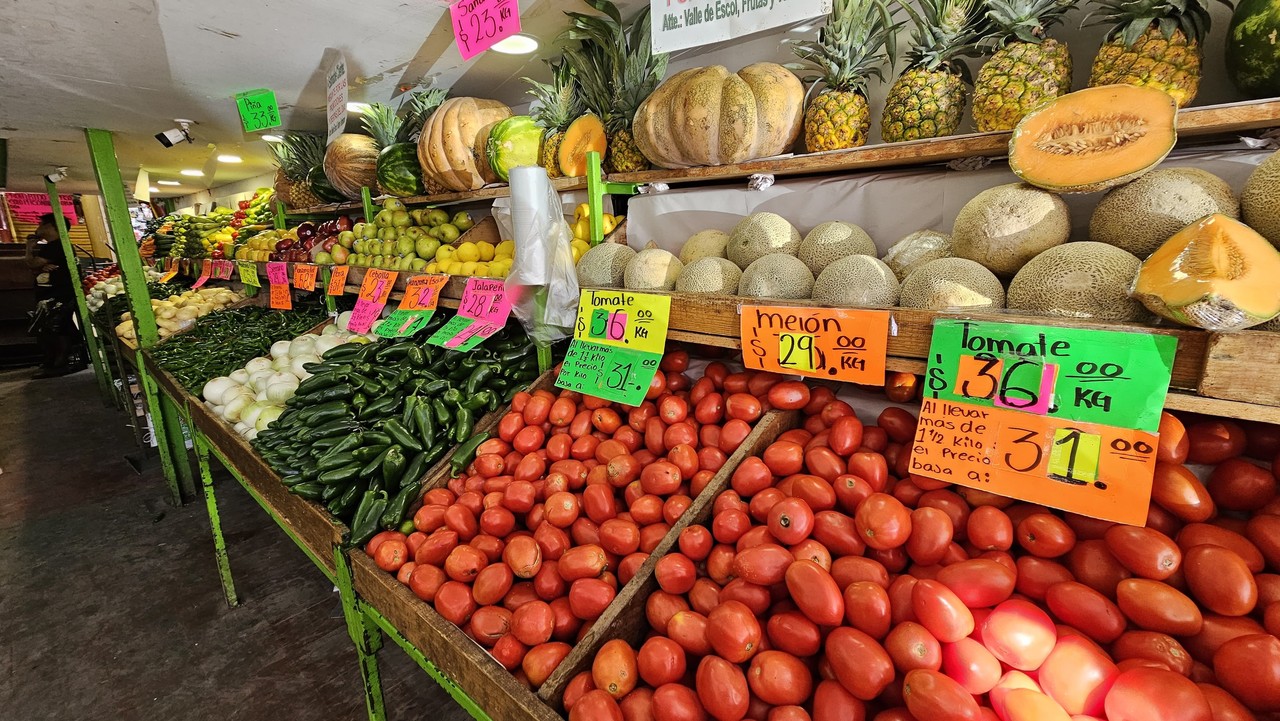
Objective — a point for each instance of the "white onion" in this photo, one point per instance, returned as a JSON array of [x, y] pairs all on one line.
[[302, 345], [251, 434], [240, 376], [267, 416], [258, 379], [258, 364], [241, 428], [216, 388], [234, 407], [343, 320], [325, 342], [280, 349], [249, 416], [295, 366]]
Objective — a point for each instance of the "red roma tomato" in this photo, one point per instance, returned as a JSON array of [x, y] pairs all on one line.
[[1216, 631], [729, 526], [1081, 607], [675, 573], [542, 660], [902, 387], [832, 703], [1078, 675], [794, 633], [814, 490], [825, 463], [763, 565], [732, 434], [742, 407], [1264, 532], [784, 457], [933, 696], [583, 562], [898, 423], [596, 705], [971, 664], [704, 596], [870, 467], [1174, 443], [931, 534], [677, 702], [660, 661], [1249, 667], [614, 668], [733, 631], [979, 582], [577, 686], [619, 536], [1045, 535], [1220, 580], [789, 396], [660, 478], [684, 458], [492, 583], [846, 435], [1011, 681], [1094, 566], [391, 554], [1146, 552], [941, 611], [488, 624], [838, 533], [589, 597], [720, 563], [815, 592], [779, 679], [509, 652], [454, 602], [1023, 704], [1018, 633], [883, 522], [533, 623], [722, 689], [426, 580], [523, 555], [1224, 706], [1157, 606], [463, 563], [689, 630], [1141, 694], [1199, 534], [859, 662], [695, 542], [911, 646], [790, 521], [989, 529], [1152, 646], [709, 408], [751, 477], [1177, 490], [1214, 441], [866, 608], [1238, 485]]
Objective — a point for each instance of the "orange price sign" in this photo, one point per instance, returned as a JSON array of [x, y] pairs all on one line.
[[278, 280], [422, 292], [171, 269], [833, 343], [337, 279], [304, 276]]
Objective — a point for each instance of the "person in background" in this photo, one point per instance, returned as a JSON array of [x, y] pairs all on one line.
[[55, 303]]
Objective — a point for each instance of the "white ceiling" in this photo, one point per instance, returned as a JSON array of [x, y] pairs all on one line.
[[132, 66]]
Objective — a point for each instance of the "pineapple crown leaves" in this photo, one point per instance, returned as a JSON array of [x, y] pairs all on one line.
[[1131, 18], [559, 101], [944, 31], [297, 153], [1026, 21], [853, 45], [381, 122], [615, 63], [417, 110]]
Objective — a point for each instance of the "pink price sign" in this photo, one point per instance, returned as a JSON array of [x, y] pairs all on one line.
[[28, 207], [277, 273], [485, 299], [478, 24]]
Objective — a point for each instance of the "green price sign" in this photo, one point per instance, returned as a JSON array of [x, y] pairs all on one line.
[[1113, 378], [258, 110]]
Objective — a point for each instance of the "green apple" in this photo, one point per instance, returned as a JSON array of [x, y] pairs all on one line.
[[417, 264], [447, 232], [393, 204], [401, 219], [462, 221], [426, 247], [436, 216], [347, 238], [383, 218], [404, 245], [324, 258], [355, 259], [339, 253]]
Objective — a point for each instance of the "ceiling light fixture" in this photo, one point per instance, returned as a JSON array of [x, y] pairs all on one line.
[[357, 107], [273, 138], [518, 44], [228, 158], [154, 190], [192, 173], [167, 182]]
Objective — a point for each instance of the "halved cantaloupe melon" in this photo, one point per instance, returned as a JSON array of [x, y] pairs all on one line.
[[583, 136], [1094, 139], [1217, 274]]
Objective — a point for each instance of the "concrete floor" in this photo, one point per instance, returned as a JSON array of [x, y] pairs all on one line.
[[110, 606]]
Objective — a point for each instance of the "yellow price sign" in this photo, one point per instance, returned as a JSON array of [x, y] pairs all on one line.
[[623, 319], [1073, 457], [796, 351], [248, 273]]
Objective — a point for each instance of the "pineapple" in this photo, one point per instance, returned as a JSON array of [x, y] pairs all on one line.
[[854, 43], [381, 123], [928, 99], [296, 155], [617, 70], [558, 105], [1027, 69], [1155, 43]]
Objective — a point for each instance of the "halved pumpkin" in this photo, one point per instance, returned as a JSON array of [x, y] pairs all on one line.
[[1217, 273], [1094, 139], [583, 136]]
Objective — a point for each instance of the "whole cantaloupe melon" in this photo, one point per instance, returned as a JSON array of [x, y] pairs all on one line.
[[951, 283], [1078, 280], [1260, 201], [831, 241], [915, 250], [704, 244], [758, 235], [1004, 227], [710, 275], [1138, 217], [776, 275], [603, 265], [857, 281], [652, 269]]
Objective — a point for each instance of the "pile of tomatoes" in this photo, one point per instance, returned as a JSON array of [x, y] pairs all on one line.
[[831, 585], [531, 545]]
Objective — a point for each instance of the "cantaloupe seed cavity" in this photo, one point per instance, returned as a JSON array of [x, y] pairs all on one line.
[[1219, 258], [1099, 135]]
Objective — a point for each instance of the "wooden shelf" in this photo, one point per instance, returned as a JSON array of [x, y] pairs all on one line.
[[1192, 122], [468, 196]]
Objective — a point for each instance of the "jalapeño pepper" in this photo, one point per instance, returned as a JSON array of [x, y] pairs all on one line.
[[393, 464], [401, 435]]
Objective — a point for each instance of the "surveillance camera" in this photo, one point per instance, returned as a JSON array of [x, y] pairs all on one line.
[[173, 136], [57, 175]]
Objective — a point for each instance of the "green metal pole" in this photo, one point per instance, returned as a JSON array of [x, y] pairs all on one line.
[[215, 521], [103, 154], [364, 633], [278, 217], [100, 371], [369, 209], [330, 301], [176, 422], [595, 197]]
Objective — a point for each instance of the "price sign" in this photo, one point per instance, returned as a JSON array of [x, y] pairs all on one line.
[[170, 270], [248, 273], [278, 279], [206, 271], [337, 279], [402, 323], [483, 311], [422, 292], [478, 24], [258, 110], [304, 276], [374, 292], [1063, 417], [832, 343], [617, 344]]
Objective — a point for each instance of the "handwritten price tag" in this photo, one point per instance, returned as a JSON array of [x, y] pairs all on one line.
[[171, 270], [478, 24], [304, 276], [403, 323], [337, 279], [485, 299], [206, 271], [422, 292], [832, 343], [374, 292], [258, 110], [248, 273], [617, 344], [278, 278]]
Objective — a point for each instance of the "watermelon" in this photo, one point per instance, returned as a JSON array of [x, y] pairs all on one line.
[[321, 187], [1253, 48], [513, 142], [398, 170]]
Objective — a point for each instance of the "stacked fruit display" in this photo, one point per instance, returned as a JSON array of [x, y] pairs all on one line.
[[197, 236]]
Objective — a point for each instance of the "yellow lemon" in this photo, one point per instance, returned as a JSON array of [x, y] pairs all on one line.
[[444, 254], [608, 223], [582, 229], [469, 267], [455, 268], [486, 249], [468, 252], [577, 251], [432, 268], [481, 269], [505, 249], [582, 211]]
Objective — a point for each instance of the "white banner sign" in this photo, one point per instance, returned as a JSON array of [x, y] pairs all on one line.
[[335, 78], [680, 24]]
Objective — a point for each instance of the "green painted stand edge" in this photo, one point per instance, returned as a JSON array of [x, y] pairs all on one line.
[[597, 188], [363, 634]]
